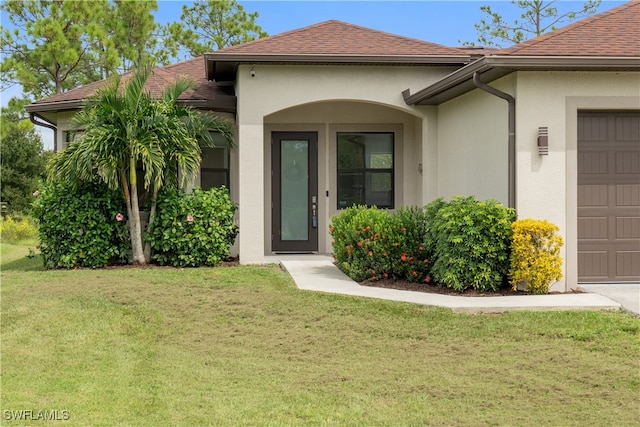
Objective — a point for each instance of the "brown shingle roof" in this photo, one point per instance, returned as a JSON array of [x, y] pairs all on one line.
[[160, 78], [615, 32], [339, 38]]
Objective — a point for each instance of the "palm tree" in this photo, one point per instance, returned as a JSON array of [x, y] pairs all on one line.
[[123, 130]]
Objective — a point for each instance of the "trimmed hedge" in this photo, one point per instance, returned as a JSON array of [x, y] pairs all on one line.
[[372, 244], [461, 244], [193, 229], [535, 255], [79, 226], [472, 241]]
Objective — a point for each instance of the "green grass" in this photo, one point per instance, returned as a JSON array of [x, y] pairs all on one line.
[[243, 346]]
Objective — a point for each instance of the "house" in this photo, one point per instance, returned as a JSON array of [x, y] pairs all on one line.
[[335, 114]]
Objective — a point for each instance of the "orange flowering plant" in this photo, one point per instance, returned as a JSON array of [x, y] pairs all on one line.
[[373, 244]]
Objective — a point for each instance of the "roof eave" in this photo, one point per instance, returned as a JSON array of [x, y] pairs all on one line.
[[224, 65], [226, 104], [493, 67], [38, 107]]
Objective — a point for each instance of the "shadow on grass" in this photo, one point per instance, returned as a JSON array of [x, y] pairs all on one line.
[[25, 263]]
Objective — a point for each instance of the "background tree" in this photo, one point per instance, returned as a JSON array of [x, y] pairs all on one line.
[[55, 46], [49, 49], [537, 17], [132, 38], [210, 25], [22, 161], [126, 129]]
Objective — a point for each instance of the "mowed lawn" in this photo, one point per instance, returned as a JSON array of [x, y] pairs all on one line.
[[242, 346]]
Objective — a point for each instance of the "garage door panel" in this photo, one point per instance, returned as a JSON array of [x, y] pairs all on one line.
[[627, 162], [593, 228], [609, 197], [627, 228], [592, 195], [627, 128], [593, 128], [593, 163], [593, 265], [627, 264], [628, 195]]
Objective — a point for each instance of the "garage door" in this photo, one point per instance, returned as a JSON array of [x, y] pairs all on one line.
[[609, 197]]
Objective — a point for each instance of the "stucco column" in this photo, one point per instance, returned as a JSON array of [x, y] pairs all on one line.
[[251, 189], [429, 154]]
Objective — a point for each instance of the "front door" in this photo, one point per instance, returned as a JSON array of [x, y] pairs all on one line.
[[294, 188]]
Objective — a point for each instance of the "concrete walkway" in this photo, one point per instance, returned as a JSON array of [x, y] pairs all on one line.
[[318, 273]]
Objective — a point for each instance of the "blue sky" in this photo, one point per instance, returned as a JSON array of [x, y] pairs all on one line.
[[444, 22]]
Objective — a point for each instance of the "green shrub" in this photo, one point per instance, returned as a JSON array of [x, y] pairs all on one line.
[[193, 229], [370, 243], [535, 255], [471, 243], [83, 226], [17, 229]]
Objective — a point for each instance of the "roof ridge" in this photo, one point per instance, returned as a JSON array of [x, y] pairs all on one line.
[[231, 49], [389, 33], [570, 27], [181, 62], [295, 30]]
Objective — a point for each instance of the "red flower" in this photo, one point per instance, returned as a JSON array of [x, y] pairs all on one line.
[[360, 244], [384, 254], [420, 248], [426, 261], [403, 257], [370, 253], [385, 275], [427, 279], [413, 273]]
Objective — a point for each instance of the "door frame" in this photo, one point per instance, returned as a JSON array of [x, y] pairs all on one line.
[[292, 246]]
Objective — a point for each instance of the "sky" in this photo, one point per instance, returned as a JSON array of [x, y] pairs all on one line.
[[445, 22]]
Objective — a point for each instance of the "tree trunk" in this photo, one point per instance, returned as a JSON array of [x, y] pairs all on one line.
[[135, 230], [152, 216]]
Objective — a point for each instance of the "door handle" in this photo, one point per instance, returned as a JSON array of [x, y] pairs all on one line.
[[314, 212]]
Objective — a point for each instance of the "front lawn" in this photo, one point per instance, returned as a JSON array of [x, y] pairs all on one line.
[[242, 346]]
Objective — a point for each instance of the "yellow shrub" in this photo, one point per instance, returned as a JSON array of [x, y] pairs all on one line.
[[535, 255], [12, 230]]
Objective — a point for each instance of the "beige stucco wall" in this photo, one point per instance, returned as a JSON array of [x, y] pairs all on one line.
[[63, 126], [472, 136], [547, 185], [346, 116], [281, 97]]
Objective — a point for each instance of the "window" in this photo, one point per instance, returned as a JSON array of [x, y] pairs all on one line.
[[75, 134], [365, 169], [214, 169]]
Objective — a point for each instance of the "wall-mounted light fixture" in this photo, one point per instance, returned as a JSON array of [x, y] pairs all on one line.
[[252, 73], [543, 141]]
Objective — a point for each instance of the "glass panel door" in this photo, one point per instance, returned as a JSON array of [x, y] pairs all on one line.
[[294, 191]]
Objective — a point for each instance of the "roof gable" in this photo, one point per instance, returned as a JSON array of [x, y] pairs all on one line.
[[615, 32], [339, 38]]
